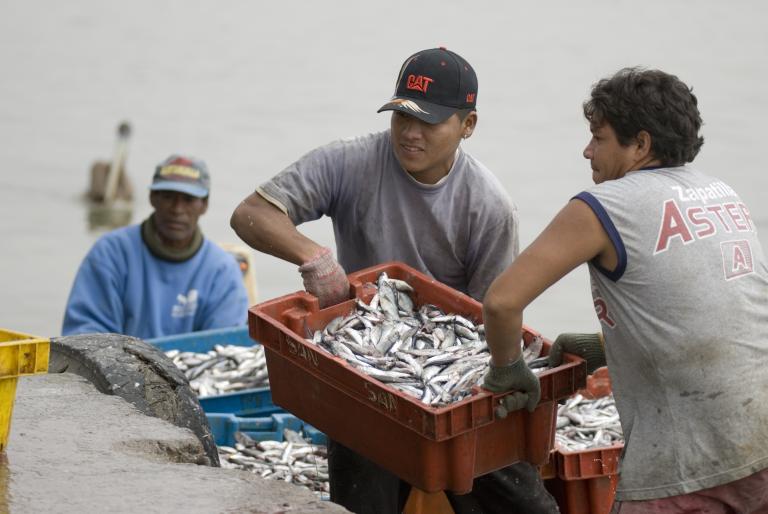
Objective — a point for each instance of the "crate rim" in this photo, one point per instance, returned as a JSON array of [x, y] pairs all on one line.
[[472, 403], [21, 338], [200, 334], [615, 446]]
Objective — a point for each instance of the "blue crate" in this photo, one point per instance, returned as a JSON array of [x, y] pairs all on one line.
[[204, 340], [249, 402], [251, 410], [268, 428]]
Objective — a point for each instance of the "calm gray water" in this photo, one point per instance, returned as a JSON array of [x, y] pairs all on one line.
[[250, 86]]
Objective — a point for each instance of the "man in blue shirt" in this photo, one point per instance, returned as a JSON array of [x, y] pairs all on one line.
[[161, 277]]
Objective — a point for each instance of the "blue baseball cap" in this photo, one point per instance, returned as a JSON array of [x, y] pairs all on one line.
[[182, 174]]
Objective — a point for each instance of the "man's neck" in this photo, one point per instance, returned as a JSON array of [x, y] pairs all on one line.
[[169, 252]]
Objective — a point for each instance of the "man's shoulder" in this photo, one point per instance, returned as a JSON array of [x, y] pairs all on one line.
[[640, 190], [348, 151], [480, 179], [369, 139], [122, 237], [347, 157], [641, 183], [363, 145], [477, 171]]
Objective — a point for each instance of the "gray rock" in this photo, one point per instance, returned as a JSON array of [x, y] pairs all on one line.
[[75, 450]]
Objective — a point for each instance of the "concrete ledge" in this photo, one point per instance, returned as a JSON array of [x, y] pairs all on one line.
[[73, 450]]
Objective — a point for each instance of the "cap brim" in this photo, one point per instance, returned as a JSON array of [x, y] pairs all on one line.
[[180, 187], [425, 111]]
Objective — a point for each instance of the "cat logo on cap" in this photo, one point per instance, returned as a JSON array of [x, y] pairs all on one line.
[[418, 83]]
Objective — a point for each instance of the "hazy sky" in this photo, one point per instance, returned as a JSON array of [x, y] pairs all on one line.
[[251, 86]]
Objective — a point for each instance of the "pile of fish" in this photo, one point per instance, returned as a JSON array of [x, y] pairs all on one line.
[[424, 352], [293, 460], [583, 424], [225, 369]]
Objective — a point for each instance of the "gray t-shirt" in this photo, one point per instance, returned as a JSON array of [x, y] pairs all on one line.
[[462, 231], [685, 319]]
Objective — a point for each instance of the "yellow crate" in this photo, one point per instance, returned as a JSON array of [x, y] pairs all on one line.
[[20, 355]]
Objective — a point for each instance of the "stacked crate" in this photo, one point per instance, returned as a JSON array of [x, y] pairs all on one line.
[[20, 355]]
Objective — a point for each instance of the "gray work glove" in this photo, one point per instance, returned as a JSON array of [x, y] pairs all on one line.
[[325, 278], [589, 347], [517, 377]]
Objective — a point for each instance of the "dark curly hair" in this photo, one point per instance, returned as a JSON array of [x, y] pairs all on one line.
[[635, 99]]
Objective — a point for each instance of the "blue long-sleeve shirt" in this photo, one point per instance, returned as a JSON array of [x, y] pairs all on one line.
[[122, 287]]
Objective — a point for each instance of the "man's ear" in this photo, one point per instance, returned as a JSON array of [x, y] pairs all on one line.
[[643, 141], [205, 206], [468, 124]]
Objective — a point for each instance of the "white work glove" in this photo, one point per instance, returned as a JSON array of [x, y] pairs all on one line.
[[325, 278]]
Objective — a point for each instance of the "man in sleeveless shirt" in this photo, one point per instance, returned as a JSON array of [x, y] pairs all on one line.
[[408, 194], [680, 287]]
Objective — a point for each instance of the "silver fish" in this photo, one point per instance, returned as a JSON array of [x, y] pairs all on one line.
[[584, 424], [422, 351], [226, 368], [293, 460]]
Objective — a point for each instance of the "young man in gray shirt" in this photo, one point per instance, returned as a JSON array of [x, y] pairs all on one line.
[[408, 194]]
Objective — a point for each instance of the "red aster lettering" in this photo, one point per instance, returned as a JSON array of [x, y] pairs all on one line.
[[672, 225]]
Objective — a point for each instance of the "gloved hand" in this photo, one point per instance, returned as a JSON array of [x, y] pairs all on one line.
[[325, 278], [589, 347], [518, 377]]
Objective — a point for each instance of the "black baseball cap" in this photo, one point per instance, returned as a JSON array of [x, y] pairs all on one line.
[[433, 84]]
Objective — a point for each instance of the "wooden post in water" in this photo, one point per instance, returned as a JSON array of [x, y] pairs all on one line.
[[117, 164], [110, 195]]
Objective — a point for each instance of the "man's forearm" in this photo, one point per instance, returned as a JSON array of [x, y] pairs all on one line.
[[267, 229], [503, 331]]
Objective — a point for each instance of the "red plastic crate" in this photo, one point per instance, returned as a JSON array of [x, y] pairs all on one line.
[[549, 469], [434, 449], [588, 478], [584, 464], [598, 384], [591, 496]]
